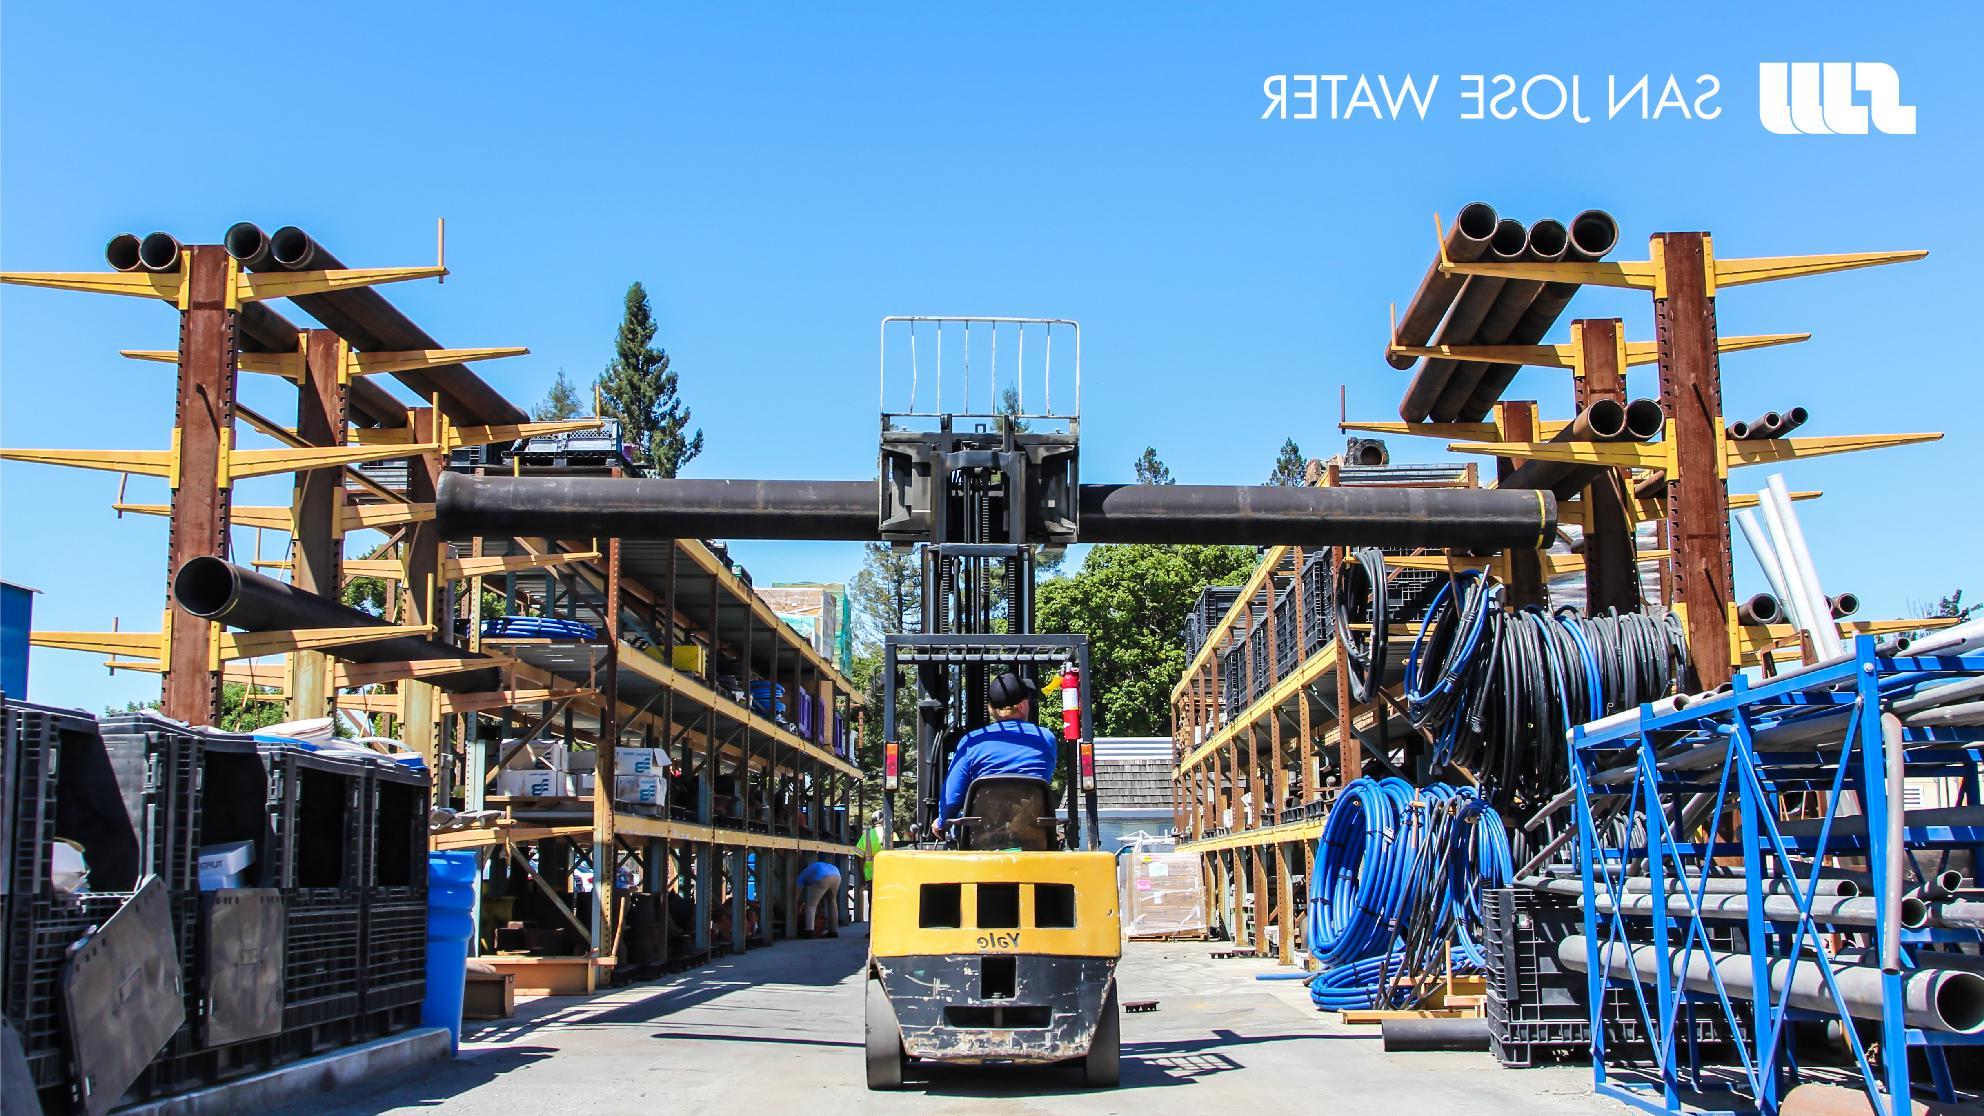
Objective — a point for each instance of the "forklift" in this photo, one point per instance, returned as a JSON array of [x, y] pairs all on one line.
[[997, 943]]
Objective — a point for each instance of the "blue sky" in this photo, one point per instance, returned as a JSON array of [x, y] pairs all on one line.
[[782, 177]]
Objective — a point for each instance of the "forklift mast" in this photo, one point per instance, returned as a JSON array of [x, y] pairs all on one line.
[[978, 489]]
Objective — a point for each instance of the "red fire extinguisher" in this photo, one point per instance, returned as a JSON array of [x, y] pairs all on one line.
[[1071, 703]]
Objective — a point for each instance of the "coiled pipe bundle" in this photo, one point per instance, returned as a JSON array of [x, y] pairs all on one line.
[[1399, 877], [1498, 690]]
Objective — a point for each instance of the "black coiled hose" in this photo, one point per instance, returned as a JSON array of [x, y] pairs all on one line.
[[1360, 599]]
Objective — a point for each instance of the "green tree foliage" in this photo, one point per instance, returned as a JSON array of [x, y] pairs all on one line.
[[1152, 471], [887, 598], [640, 391], [1131, 601], [1288, 466], [559, 403]]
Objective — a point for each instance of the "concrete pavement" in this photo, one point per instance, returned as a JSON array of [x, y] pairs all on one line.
[[779, 1031]]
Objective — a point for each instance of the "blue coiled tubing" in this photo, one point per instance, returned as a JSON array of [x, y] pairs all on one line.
[[1399, 876]]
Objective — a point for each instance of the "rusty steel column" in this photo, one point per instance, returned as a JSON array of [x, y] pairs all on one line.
[[1611, 556], [604, 830], [1284, 895], [422, 591], [1698, 486], [321, 412], [1526, 585], [202, 498]]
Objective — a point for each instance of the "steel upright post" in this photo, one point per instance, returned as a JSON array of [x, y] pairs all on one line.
[[321, 412], [202, 495], [1698, 486]]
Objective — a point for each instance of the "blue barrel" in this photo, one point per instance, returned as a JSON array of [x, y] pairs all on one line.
[[451, 884]]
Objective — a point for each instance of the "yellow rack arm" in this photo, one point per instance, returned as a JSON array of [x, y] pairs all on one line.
[[372, 364], [1644, 455], [141, 284], [144, 645], [252, 645], [461, 436], [261, 463], [497, 699], [1646, 275], [1767, 451], [1759, 637], [150, 463], [260, 286], [350, 676]]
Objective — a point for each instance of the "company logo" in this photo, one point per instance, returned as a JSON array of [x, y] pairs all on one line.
[[1816, 99]]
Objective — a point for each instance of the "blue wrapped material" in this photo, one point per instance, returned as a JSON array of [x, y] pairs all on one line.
[[536, 627]]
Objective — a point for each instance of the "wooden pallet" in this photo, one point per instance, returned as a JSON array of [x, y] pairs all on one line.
[[1232, 952]]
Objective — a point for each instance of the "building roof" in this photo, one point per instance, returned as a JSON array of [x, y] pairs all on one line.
[[1137, 784]]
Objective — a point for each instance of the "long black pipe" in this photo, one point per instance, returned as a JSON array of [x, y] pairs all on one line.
[[648, 508], [1548, 241], [1473, 225], [370, 323], [1477, 296], [1604, 421], [1593, 234], [212, 589]]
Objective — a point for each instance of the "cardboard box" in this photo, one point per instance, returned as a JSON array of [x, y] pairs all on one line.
[[583, 784], [533, 784], [646, 790], [638, 761]]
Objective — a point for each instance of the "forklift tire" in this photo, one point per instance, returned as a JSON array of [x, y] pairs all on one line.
[[884, 1041], [1102, 1068]]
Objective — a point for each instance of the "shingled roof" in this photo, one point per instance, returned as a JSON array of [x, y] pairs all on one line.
[[1139, 784]]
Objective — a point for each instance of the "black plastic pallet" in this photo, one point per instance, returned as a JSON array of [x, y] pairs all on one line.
[[317, 815], [200, 788], [321, 979], [62, 782], [40, 933], [394, 953]]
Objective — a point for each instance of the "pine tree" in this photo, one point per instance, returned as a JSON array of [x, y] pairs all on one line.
[[1288, 465], [1152, 471], [559, 403], [640, 391]]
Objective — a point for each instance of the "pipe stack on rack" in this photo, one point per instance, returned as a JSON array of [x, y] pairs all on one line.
[[1462, 310]]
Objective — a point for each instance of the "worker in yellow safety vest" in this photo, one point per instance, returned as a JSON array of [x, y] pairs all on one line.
[[871, 843]]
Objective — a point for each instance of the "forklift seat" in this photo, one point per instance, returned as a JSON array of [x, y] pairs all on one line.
[[1008, 812]]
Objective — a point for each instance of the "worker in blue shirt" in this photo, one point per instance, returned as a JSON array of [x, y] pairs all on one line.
[[819, 888], [1011, 745]]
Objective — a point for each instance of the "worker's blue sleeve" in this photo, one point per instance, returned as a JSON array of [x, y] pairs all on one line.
[[956, 782]]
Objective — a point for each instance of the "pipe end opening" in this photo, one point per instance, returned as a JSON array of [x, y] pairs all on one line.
[[1594, 233], [1645, 419], [159, 252], [291, 246], [245, 240], [122, 252], [1476, 221], [204, 586]]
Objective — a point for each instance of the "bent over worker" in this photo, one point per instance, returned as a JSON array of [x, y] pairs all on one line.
[[819, 887], [1011, 745]]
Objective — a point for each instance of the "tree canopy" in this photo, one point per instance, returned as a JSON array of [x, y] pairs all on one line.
[[640, 391], [1131, 601], [1288, 466], [1150, 470], [561, 402]]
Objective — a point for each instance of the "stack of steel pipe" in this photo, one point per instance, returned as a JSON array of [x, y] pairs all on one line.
[[1606, 420], [213, 589], [363, 317], [1770, 424], [1488, 310], [261, 328]]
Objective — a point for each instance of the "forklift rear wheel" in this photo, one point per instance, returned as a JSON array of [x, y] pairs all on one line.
[[884, 1041], [1102, 1069]]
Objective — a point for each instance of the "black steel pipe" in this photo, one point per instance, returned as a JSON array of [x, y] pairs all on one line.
[[1760, 609], [122, 252], [1593, 234], [1548, 241], [1263, 515], [1473, 225], [159, 252], [1791, 420], [1434, 1034], [1843, 605], [212, 589], [364, 317], [1463, 324], [1606, 420]]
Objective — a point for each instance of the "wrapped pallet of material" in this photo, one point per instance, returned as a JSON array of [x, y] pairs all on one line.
[[1163, 893]]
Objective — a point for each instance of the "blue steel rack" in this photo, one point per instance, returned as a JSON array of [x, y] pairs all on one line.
[[1688, 791]]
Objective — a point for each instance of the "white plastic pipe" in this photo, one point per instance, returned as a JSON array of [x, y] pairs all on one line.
[[1760, 549], [1826, 633], [1794, 590]]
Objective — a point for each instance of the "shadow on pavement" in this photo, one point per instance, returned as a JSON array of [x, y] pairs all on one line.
[[422, 1086]]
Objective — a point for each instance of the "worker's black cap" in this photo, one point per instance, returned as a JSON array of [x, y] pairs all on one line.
[[1010, 689]]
